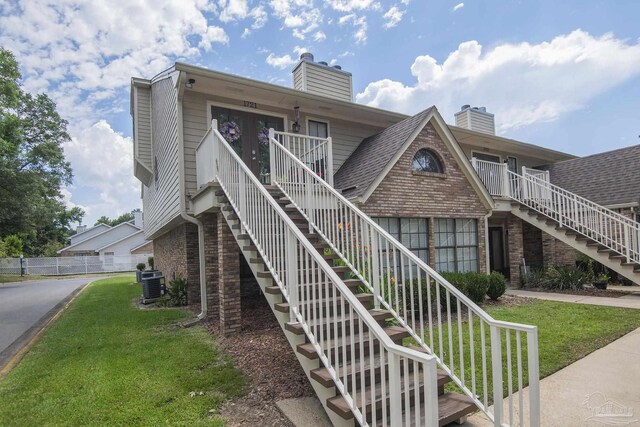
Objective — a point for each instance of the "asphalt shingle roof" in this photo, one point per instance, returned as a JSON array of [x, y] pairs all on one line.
[[369, 159], [608, 178]]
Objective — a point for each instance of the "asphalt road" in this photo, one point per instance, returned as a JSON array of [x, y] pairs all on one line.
[[23, 304]]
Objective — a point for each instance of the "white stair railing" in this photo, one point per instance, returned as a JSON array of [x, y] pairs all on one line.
[[486, 358], [610, 229], [532, 188], [315, 152], [334, 320]]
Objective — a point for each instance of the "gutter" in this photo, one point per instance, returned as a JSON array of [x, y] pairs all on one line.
[[178, 81]]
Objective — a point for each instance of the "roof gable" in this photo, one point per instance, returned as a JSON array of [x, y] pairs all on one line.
[[100, 237], [374, 158]]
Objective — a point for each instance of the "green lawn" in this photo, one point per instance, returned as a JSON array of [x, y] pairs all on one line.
[[566, 333], [105, 362], [7, 278]]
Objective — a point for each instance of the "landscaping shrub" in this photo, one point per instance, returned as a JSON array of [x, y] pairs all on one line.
[[150, 262], [474, 285], [533, 279], [497, 285], [140, 266], [178, 291], [563, 278]]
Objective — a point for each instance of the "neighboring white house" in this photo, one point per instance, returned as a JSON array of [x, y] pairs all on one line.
[[107, 241]]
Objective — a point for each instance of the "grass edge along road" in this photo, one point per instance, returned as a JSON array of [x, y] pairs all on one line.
[[105, 362]]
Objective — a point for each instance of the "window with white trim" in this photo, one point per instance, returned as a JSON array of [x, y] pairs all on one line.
[[426, 160], [456, 244], [318, 129]]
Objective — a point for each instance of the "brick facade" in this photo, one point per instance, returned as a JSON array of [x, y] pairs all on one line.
[[173, 254], [556, 253], [145, 249], [404, 193], [515, 244], [229, 284]]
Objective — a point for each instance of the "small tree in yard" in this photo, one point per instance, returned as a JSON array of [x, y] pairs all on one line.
[[150, 261]]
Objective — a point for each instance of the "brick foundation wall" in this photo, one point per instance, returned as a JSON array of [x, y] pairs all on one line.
[[404, 193], [515, 248], [229, 282], [556, 253], [532, 244], [146, 249]]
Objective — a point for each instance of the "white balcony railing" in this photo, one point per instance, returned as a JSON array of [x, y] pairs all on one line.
[[534, 189]]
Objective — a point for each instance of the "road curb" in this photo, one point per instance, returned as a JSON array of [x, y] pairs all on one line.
[[13, 354]]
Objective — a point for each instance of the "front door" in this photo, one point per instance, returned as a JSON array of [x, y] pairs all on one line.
[[248, 134], [496, 251]]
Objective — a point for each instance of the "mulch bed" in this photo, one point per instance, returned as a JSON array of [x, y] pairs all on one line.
[[273, 372], [587, 292], [508, 301]]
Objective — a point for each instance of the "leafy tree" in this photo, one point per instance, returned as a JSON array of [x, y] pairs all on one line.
[[12, 246], [32, 165], [126, 217]]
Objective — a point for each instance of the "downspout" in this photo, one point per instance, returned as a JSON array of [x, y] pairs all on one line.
[[179, 79]]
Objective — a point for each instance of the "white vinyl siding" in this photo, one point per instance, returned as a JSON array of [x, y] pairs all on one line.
[[124, 246], [76, 238], [345, 135], [143, 126], [323, 80], [162, 201]]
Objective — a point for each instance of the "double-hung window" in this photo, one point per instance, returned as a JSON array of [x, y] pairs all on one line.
[[412, 233], [456, 244]]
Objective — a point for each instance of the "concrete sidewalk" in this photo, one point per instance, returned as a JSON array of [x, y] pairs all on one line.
[[598, 390], [628, 301]]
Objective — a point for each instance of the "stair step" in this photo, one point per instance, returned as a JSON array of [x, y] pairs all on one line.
[[396, 333], [595, 245], [451, 406], [379, 316], [604, 249], [323, 376], [327, 304]]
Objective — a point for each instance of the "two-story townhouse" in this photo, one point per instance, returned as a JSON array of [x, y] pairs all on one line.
[[457, 198]]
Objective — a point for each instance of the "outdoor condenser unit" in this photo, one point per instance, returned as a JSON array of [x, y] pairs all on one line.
[[152, 287]]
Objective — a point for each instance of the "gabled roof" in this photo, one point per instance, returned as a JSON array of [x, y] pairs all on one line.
[[109, 230], [369, 159], [372, 160], [122, 240], [609, 179], [101, 225]]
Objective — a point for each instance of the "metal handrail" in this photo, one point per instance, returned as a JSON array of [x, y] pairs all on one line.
[[325, 208], [282, 247]]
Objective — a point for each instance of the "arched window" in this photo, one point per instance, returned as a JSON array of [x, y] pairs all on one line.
[[426, 161]]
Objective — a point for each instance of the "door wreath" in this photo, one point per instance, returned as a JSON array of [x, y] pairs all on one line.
[[230, 131]]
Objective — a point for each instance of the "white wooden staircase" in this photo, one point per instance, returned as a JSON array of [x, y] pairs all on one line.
[[604, 235], [376, 330]]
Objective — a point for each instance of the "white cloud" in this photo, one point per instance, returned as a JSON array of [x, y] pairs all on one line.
[[281, 62], [213, 35], [521, 83], [299, 50], [299, 15], [360, 25], [319, 36], [66, 199], [103, 158], [458, 6], [350, 5], [259, 16], [246, 33], [233, 10], [393, 17]]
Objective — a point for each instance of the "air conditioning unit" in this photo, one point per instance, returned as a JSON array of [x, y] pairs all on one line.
[[152, 288]]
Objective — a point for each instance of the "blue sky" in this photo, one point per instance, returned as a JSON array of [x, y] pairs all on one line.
[[561, 74]]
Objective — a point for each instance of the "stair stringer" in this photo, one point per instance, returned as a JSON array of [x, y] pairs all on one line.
[[580, 245], [323, 393]]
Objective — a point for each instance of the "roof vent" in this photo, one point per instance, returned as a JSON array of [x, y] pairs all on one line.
[[476, 118], [337, 67], [307, 56], [323, 63]]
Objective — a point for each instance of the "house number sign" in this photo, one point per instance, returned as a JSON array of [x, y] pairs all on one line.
[[250, 104]]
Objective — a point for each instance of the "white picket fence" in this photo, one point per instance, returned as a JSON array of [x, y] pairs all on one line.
[[59, 266]]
